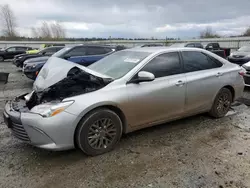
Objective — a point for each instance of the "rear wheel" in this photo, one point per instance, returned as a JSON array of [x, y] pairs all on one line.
[[1, 58], [222, 103], [99, 132]]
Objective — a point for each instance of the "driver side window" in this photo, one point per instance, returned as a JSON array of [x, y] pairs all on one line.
[[164, 65]]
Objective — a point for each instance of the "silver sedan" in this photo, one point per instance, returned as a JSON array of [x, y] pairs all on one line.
[[72, 106]]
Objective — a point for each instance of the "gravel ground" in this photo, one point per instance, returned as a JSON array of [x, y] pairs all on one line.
[[194, 152]]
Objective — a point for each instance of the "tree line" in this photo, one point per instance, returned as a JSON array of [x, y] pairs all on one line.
[[47, 31], [56, 31]]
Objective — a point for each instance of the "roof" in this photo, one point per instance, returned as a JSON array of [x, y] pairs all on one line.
[[93, 45], [163, 49], [54, 47]]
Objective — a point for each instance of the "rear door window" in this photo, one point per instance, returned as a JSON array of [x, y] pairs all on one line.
[[197, 61], [190, 45], [21, 48], [96, 50], [78, 51], [198, 45]]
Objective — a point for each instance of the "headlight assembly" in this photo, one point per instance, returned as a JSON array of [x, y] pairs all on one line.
[[50, 109]]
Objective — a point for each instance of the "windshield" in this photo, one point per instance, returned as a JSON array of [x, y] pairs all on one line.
[[61, 52], [244, 49], [118, 64]]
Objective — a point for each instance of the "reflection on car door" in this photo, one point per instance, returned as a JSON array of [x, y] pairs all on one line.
[[204, 76], [162, 98]]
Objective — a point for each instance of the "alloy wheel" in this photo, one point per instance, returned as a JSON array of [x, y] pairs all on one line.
[[102, 133]]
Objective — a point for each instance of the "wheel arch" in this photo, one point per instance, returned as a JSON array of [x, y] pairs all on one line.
[[231, 88], [111, 107]]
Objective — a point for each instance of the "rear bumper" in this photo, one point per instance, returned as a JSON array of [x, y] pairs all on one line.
[[55, 133]]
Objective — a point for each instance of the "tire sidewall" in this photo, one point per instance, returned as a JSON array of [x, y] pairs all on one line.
[[214, 112], [83, 129], [1, 58]]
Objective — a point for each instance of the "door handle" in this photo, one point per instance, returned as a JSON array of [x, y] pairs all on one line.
[[219, 74], [180, 83]]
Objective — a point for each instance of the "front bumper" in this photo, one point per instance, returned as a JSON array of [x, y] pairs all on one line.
[[239, 61], [54, 133]]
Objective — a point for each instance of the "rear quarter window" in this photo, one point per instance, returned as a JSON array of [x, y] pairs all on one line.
[[197, 61]]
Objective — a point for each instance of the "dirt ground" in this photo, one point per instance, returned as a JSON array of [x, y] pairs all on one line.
[[194, 152]]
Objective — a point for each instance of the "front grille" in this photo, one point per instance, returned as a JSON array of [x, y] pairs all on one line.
[[19, 132]]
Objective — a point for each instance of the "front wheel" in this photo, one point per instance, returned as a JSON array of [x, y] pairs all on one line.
[[99, 132], [222, 103], [1, 59]]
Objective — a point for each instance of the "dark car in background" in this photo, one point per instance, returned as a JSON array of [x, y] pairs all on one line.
[[217, 49], [218, 52], [246, 74], [152, 45], [19, 59], [11, 52], [81, 54], [190, 45], [241, 56]]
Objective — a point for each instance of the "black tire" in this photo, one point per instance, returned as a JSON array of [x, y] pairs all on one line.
[[222, 103], [87, 132], [1, 59]]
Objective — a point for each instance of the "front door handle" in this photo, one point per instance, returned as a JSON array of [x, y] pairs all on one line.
[[180, 83]]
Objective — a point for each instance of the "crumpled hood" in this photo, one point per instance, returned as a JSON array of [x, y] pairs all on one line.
[[55, 70], [241, 53]]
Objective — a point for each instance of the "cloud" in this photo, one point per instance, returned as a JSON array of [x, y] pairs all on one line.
[[130, 18]]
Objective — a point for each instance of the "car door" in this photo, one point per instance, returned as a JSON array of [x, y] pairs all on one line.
[[10, 53], [163, 98], [204, 78]]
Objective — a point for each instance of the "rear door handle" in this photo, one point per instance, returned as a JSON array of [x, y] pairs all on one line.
[[180, 83], [219, 74]]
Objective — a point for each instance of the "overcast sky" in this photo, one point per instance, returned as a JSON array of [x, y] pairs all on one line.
[[134, 18]]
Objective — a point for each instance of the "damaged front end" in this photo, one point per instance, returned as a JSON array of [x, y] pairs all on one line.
[[77, 82], [60, 79]]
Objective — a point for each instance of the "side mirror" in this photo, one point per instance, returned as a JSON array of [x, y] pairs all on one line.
[[143, 76]]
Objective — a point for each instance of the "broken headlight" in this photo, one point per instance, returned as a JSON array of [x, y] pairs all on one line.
[[50, 109]]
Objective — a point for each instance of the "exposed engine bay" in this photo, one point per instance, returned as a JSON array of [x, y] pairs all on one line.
[[77, 82]]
